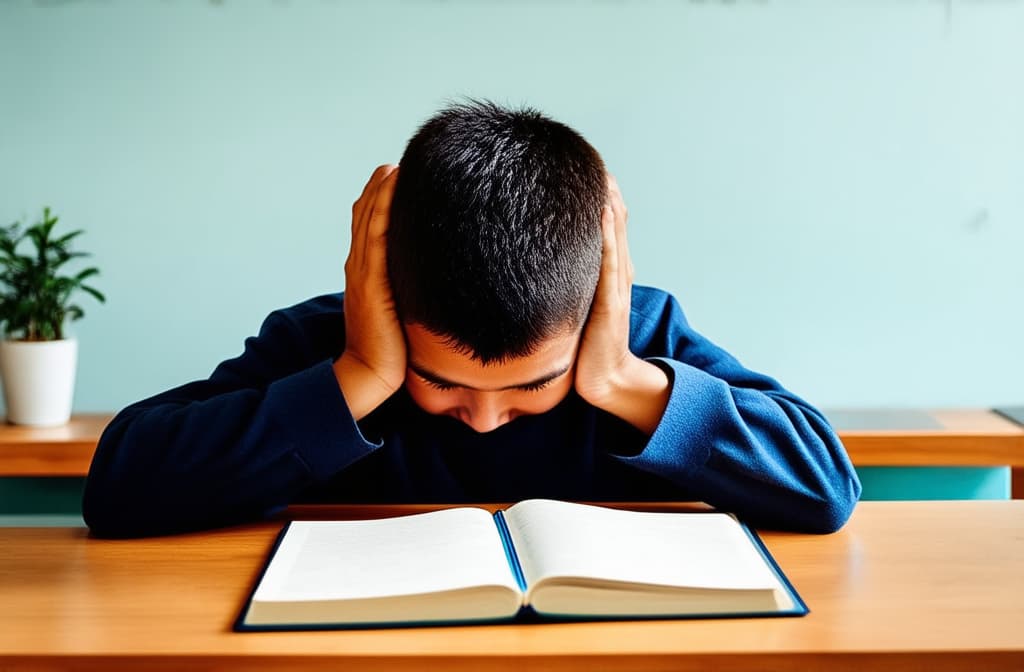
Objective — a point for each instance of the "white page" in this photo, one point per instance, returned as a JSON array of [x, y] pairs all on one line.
[[441, 550], [700, 550]]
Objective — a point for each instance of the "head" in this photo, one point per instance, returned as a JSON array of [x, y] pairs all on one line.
[[494, 248]]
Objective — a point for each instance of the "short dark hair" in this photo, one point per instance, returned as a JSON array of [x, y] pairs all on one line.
[[494, 239]]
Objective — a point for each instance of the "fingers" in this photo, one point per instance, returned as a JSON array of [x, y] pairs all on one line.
[[377, 219], [607, 281], [624, 263], [377, 228], [361, 208], [362, 212]]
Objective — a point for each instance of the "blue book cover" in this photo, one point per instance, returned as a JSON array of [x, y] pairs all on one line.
[[537, 561]]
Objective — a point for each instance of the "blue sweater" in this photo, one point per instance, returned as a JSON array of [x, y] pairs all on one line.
[[271, 427]]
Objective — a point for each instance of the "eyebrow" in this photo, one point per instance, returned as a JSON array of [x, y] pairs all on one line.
[[441, 380]]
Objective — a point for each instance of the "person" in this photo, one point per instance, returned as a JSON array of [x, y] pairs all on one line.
[[489, 346]]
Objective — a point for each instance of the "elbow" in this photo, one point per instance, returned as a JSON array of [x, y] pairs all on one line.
[[106, 509], [831, 518], [107, 502], [120, 499], [100, 521], [113, 513], [117, 507], [128, 493], [101, 494], [832, 508], [832, 487]]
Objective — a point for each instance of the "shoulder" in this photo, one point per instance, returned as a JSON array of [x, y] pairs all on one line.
[[325, 306], [319, 322], [650, 305], [648, 300], [656, 321]]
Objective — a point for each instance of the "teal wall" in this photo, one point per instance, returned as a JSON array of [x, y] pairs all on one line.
[[833, 189]]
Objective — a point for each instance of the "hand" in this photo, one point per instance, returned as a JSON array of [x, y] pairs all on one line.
[[608, 375], [372, 367]]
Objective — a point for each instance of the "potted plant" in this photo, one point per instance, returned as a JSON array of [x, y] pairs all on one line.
[[37, 361]]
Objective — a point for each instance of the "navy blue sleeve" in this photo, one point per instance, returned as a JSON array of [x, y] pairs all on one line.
[[233, 448], [735, 438]]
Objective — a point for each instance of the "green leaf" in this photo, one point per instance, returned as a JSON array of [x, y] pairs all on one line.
[[87, 273], [96, 294], [63, 240], [34, 296]]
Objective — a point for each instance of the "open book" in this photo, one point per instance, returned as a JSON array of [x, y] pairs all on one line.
[[538, 558]]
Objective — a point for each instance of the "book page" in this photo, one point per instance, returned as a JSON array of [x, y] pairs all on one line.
[[694, 550], [442, 550]]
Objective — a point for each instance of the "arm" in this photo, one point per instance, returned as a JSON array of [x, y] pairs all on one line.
[[268, 424], [608, 374], [736, 439], [228, 449]]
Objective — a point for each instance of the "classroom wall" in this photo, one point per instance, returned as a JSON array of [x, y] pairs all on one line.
[[833, 189]]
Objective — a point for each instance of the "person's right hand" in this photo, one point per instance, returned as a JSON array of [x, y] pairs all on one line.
[[372, 367]]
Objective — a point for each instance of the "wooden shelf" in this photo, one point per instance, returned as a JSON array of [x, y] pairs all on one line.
[[51, 451]]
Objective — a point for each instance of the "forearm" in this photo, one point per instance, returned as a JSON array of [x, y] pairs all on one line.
[[762, 454], [187, 459]]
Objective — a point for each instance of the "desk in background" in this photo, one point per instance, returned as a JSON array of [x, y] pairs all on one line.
[[1015, 414], [932, 438], [898, 588], [51, 451], [946, 438]]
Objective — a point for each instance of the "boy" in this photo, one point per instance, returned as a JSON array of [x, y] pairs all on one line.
[[489, 346]]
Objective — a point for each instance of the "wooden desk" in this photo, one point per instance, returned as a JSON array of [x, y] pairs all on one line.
[[51, 451], [964, 437], [946, 438], [905, 585]]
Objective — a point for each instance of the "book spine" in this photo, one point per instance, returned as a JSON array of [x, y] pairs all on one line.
[[510, 550]]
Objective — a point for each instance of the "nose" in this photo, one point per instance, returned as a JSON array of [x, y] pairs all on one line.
[[485, 412]]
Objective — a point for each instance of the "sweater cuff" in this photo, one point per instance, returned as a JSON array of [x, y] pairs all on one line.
[[681, 443], [312, 401]]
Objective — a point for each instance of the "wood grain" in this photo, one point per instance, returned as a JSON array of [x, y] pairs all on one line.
[[51, 451], [905, 585], [966, 437]]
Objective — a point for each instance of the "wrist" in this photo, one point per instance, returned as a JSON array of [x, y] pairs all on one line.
[[363, 388], [637, 392]]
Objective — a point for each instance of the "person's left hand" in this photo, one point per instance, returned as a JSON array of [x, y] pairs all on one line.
[[608, 375], [604, 348]]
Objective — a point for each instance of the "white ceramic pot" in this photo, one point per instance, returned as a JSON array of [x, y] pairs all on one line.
[[38, 380]]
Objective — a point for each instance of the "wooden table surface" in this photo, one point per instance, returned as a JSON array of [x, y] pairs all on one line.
[[905, 585]]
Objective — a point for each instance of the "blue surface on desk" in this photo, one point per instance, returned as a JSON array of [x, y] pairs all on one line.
[[1015, 413], [916, 483]]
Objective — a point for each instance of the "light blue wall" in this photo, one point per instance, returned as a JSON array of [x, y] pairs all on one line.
[[835, 190]]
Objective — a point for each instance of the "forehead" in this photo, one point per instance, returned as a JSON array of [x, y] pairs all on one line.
[[434, 353]]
